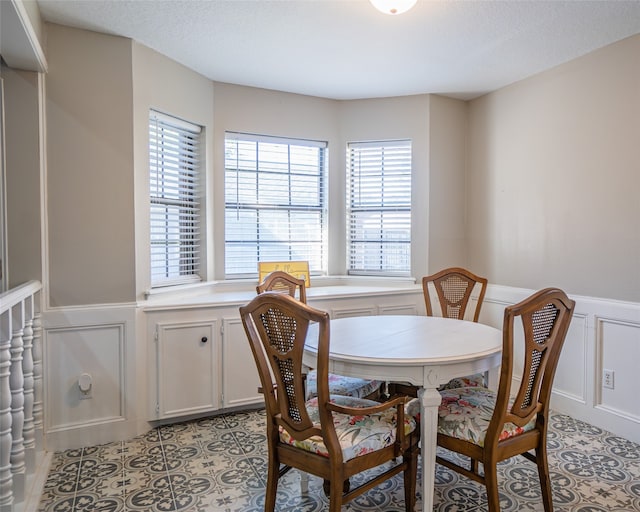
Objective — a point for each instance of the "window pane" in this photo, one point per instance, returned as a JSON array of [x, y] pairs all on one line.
[[175, 200], [379, 207], [275, 202]]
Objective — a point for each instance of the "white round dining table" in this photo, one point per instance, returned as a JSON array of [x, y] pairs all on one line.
[[423, 350]]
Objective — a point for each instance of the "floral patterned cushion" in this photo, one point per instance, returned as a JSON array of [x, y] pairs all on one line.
[[341, 385], [465, 413], [358, 435], [476, 380], [458, 382]]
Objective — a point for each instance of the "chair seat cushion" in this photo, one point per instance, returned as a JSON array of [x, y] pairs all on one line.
[[358, 435], [476, 380], [465, 414], [342, 385]]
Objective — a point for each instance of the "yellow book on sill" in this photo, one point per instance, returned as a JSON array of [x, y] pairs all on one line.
[[298, 269]]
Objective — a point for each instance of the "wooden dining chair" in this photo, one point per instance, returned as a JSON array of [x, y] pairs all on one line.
[[454, 287], [491, 426], [332, 437], [338, 384], [451, 291], [284, 282]]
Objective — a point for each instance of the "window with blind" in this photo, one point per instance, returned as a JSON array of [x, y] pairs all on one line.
[[275, 202], [379, 207], [175, 197]]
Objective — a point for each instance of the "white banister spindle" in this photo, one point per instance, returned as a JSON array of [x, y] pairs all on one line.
[[6, 479], [21, 391], [16, 382], [38, 409], [28, 431]]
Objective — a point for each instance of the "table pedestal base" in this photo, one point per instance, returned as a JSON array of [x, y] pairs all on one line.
[[429, 402]]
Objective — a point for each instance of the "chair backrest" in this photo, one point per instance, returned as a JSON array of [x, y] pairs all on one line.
[[545, 317], [276, 326], [454, 287], [280, 281]]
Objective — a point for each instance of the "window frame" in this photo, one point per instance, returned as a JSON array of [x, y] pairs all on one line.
[[315, 209], [358, 177], [179, 187]]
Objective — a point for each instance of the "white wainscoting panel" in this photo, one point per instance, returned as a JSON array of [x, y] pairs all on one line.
[[618, 350], [113, 344], [571, 374], [99, 341], [96, 350]]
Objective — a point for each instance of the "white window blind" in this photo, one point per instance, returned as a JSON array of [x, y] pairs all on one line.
[[379, 207], [275, 205], [174, 187]]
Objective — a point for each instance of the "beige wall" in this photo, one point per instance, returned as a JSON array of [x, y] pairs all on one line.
[[405, 117], [90, 192], [22, 158], [99, 92], [554, 175], [260, 111], [265, 112], [164, 85], [551, 167], [447, 190]]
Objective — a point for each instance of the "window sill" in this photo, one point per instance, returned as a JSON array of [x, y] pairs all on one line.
[[238, 292]]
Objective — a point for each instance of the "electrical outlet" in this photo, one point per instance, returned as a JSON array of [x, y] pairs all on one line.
[[85, 384], [607, 379]]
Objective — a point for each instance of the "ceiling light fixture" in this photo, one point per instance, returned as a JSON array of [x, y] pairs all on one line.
[[393, 7]]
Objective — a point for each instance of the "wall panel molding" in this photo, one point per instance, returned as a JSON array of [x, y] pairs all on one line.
[[603, 334], [571, 381], [397, 309], [617, 349], [102, 343], [96, 350]]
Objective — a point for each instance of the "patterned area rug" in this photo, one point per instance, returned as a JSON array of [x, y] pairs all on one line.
[[219, 464]]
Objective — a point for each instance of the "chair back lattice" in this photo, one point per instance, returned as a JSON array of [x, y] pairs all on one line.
[[545, 317], [283, 282], [276, 326], [454, 287]]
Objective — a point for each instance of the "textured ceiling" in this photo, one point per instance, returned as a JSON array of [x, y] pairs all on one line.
[[345, 49]]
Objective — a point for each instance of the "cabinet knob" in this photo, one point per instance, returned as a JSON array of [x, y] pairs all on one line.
[[204, 339]]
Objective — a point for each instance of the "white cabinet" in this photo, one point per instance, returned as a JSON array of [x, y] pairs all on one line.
[[186, 368], [201, 361], [240, 378]]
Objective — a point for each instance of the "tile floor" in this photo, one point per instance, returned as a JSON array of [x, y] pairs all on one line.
[[219, 464]]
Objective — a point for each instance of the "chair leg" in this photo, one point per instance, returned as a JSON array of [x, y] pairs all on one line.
[[335, 499], [410, 458], [543, 475], [491, 483], [271, 490], [326, 487], [304, 482]]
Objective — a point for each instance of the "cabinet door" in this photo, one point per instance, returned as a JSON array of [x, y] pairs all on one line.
[[187, 374], [240, 380]]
